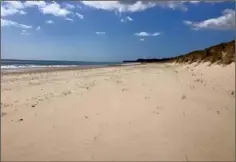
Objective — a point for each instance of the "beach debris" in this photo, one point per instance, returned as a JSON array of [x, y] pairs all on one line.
[[218, 112], [183, 97], [86, 117], [33, 105], [94, 138], [20, 119]]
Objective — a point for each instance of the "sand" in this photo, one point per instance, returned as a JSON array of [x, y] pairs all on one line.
[[141, 112]]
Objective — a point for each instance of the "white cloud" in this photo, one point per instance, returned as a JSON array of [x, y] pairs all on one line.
[[194, 2], [145, 34], [206, 1], [7, 12], [49, 22], [15, 4], [122, 6], [129, 18], [35, 3], [22, 12], [38, 28], [156, 34], [126, 19], [69, 19], [9, 8], [69, 6], [141, 39], [24, 32], [79, 15], [224, 22], [5, 23], [55, 9], [187, 22], [216, 1], [100, 33]]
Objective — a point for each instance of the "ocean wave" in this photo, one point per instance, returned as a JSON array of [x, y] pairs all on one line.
[[33, 66]]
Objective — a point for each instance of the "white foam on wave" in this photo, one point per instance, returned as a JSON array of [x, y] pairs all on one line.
[[33, 66]]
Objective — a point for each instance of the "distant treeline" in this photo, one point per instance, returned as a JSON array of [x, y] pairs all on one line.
[[223, 53]]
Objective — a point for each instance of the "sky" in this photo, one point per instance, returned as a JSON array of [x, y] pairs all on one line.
[[112, 30]]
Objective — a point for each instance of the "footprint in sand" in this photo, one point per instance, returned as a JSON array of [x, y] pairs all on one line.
[[118, 82], [66, 93], [192, 87], [124, 89], [183, 97], [232, 93], [3, 114], [199, 80], [155, 112]]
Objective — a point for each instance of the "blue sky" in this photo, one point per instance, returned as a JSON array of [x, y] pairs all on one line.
[[112, 30]]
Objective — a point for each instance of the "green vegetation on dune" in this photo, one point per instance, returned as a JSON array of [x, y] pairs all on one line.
[[223, 53]]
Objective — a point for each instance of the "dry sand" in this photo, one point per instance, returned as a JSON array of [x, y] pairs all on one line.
[[141, 112]]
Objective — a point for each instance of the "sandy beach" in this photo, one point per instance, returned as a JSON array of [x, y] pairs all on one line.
[[161, 112]]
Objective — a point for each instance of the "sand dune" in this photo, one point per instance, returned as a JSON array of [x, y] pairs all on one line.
[[141, 112]]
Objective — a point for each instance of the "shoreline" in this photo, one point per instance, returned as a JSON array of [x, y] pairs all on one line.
[[54, 69]]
